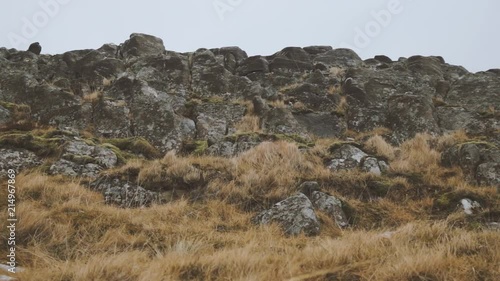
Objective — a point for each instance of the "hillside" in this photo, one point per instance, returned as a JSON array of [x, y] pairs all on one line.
[[132, 162]]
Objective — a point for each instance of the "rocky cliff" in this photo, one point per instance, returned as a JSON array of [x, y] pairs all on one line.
[[139, 89], [222, 102], [314, 139]]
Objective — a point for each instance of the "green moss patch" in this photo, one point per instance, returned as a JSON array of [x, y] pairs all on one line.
[[195, 147], [137, 145], [41, 146]]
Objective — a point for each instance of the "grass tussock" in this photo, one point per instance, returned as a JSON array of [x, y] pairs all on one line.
[[405, 225], [249, 124]]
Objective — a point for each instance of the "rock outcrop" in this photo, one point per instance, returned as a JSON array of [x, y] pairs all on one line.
[[138, 98], [141, 89]]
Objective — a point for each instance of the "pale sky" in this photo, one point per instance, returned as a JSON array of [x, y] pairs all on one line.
[[463, 32]]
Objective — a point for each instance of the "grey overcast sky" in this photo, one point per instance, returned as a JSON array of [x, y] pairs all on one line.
[[463, 32]]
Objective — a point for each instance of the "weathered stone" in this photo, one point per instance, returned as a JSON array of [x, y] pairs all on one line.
[[252, 65], [216, 120], [282, 121], [295, 215], [339, 58], [456, 118], [82, 159], [142, 45], [280, 64], [315, 50], [124, 194], [382, 58], [469, 206], [476, 92], [430, 66], [321, 124], [18, 160], [373, 165], [69, 168], [230, 149], [292, 53], [330, 205], [489, 174], [346, 157], [312, 97], [410, 114]]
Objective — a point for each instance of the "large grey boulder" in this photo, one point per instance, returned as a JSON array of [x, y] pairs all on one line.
[[214, 121], [410, 114], [322, 124], [476, 92], [142, 45], [346, 157], [339, 58], [151, 114], [349, 157], [489, 174], [282, 121], [254, 64], [294, 214], [82, 159]]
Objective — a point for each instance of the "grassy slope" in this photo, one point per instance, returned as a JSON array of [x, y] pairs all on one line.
[[405, 225]]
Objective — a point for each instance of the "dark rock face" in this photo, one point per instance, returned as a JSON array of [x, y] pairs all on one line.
[[82, 159], [139, 89], [17, 159], [479, 161], [410, 114], [330, 205], [142, 45]]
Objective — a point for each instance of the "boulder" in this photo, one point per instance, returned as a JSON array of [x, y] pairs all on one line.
[[339, 58], [142, 45], [124, 194], [322, 124], [82, 159], [331, 206], [253, 64], [346, 157], [411, 114], [489, 174], [295, 215], [214, 121], [18, 160]]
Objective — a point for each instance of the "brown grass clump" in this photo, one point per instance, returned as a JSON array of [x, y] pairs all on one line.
[[249, 124], [380, 147], [93, 97], [342, 107], [417, 156]]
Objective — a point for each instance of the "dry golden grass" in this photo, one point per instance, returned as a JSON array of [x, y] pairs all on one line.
[[380, 147], [400, 230], [249, 124], [93, 97], [416, 155], [342, 106], [299, 106], [277, 104], [334, 90]]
